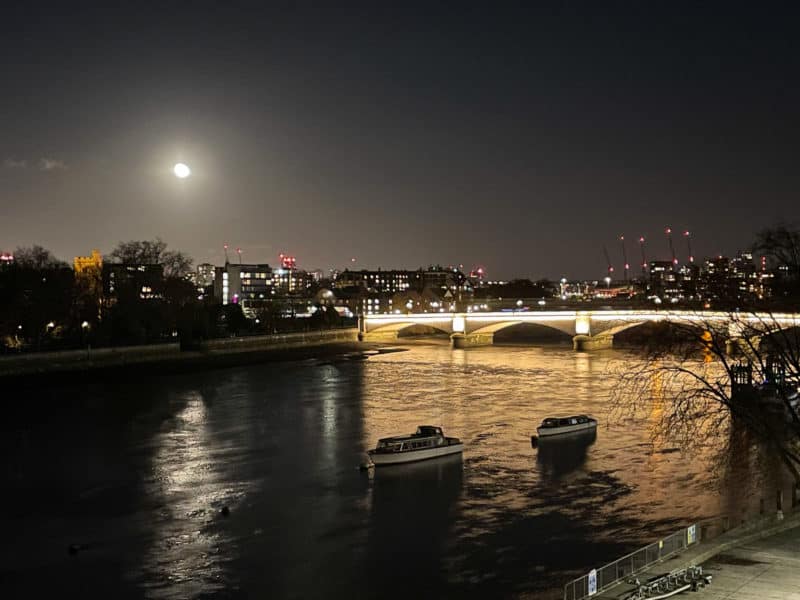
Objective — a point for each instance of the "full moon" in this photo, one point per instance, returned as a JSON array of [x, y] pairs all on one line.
[[181, 170]]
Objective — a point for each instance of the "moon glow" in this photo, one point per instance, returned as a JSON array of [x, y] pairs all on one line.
[[181, 171]]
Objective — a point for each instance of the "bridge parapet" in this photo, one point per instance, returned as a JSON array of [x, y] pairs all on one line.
[[591, 329]]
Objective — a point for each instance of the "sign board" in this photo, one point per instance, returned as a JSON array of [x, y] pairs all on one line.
[[592, 582], [691, 535]]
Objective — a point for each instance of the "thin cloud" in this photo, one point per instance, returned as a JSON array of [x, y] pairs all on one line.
[[12, 163], [52, 164]]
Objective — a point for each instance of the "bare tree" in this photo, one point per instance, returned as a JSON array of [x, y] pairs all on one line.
[[713, 371], [37, 257], [781, 246], [152, 252]]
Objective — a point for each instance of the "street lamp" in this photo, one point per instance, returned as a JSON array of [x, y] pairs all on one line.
[[84, 332], [608, 281]]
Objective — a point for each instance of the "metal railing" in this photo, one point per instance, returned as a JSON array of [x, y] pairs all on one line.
[[606, 576]]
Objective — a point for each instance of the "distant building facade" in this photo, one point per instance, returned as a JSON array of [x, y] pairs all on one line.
[[89, 273], [82, 264], [6, 259], [437, 279], [205, 275], [134, 281]]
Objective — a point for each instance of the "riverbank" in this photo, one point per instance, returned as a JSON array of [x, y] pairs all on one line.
[[763, 545], [169, 358]]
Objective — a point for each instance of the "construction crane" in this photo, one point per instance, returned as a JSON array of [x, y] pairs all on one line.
[[608, 261], [624, 257], [644, 260], [687, 235], [668, 231]]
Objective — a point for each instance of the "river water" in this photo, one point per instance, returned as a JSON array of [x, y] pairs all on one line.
[[136, 474]]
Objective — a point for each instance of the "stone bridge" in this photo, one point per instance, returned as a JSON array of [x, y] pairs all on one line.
[[589, 329]]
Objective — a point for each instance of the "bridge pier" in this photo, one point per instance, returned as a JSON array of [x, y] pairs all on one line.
[[471, 340], [742, 347], [586, 343]]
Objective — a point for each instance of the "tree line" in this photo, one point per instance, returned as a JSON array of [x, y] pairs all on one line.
[[49, 306]]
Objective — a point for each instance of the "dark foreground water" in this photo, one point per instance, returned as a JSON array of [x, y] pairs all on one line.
[[137, 473]]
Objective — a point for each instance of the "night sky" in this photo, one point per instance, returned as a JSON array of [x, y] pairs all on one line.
[[518, 138]]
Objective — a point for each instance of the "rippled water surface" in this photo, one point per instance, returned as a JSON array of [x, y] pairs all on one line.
[[136, 475]]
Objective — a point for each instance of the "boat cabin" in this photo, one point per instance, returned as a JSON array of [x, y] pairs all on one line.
[[426, 436], [565, 421], [429, 430]]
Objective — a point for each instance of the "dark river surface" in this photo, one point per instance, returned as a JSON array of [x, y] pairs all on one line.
[[136, 474]]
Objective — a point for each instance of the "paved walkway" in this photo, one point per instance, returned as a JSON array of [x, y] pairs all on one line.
[[765, 569], [756, 562]]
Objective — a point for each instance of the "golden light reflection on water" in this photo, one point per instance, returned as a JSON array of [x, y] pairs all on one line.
[[494, 398]]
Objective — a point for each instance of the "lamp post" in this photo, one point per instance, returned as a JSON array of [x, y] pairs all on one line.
[[85, 336]]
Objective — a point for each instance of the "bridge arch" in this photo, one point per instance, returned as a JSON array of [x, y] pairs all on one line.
[[390, 329], [532, 333], [493, 328]]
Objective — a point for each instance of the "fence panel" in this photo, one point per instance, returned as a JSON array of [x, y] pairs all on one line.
[[628, 565]]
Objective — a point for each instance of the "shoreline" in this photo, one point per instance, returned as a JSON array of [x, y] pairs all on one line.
[[118, 363]]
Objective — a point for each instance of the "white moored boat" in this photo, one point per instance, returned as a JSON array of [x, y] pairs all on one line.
[[427, 442], [561, 425]]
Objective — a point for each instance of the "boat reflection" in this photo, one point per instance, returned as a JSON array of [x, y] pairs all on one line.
[[562, 454], [412, 517]]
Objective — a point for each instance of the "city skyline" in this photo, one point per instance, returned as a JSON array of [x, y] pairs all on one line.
[[523, 141], [620, 270]]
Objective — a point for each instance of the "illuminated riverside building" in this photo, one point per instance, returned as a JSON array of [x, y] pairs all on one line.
[[203, 280], [83, 264], [253, 286], [291, 281], [6, 259], [89, 272], [720, 279], [205, 275], [437, 279], [243, 284], [136, 281], [380, 281]]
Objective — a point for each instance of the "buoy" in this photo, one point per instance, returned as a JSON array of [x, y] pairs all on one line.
[[225, 511], [534, 441]]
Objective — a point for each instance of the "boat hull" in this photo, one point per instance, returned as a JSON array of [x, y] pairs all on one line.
[[553, 431], [398, 458]]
